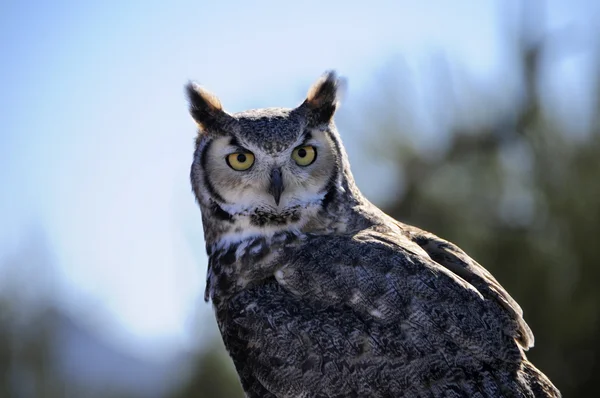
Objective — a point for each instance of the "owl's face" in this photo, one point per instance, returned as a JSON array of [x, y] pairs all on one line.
[[249, 174], [268, 169]]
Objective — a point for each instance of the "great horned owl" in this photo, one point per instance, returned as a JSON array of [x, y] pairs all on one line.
[[318, 293]]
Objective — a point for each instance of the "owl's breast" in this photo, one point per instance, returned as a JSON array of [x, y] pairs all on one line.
[[251, 261]]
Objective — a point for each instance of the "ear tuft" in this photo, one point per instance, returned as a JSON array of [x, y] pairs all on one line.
[[324, 95], [205, 107]]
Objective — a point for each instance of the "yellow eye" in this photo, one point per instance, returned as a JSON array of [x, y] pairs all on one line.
[[240, 161], [304, 155]]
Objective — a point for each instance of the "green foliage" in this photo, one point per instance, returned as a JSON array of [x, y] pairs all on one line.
[[213, 376]]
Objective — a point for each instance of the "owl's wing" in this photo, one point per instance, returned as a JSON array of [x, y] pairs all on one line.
[[456, 260], [375, 274], [364, 307]]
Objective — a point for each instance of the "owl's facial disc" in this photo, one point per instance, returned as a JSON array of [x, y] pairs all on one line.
[[270, 186]]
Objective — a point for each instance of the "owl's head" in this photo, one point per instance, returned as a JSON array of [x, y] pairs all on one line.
[[266, 170]]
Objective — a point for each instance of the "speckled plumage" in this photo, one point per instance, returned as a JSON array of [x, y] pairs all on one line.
[[324, 295]]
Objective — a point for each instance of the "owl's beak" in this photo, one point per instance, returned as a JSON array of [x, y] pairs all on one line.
[[276, 187]]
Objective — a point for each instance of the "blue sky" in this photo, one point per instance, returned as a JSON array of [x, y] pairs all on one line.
[[96, 141]]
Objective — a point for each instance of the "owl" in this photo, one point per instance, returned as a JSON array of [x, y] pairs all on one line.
[[319, 293]]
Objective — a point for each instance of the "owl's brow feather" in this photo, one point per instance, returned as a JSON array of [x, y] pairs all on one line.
[[303, 139], [236, 144], [307, 136]]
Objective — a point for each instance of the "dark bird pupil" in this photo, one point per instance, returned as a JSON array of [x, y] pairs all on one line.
[[302, 152], [241, 158]]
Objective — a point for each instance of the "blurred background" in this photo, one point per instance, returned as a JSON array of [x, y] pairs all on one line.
[[477, 120]]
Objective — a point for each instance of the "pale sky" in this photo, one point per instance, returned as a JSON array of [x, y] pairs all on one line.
[[96, 141]]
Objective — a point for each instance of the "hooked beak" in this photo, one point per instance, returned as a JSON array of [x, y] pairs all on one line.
[[276, 187]]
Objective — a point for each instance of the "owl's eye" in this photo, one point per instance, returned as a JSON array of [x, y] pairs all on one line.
[[304, 155], [240, 161]]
